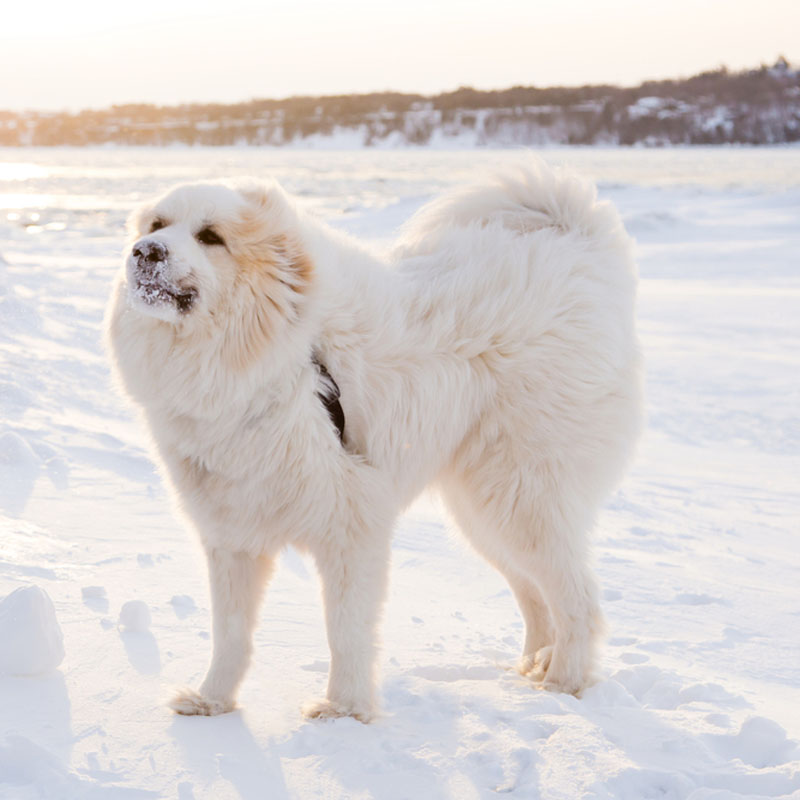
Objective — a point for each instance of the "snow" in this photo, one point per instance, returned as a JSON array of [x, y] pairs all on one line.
[[697, 552], [134, 616], [645, 106], [32, 642], [151, 287], [183, 605]]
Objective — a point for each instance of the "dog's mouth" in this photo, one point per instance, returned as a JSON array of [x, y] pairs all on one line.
[[153, 292], [149, 286]]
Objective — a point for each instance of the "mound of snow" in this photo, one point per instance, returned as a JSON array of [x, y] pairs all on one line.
[[183, 605], [31, 641], [134, 616]]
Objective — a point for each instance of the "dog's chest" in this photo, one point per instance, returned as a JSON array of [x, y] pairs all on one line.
[[240, 450], [248, 483]]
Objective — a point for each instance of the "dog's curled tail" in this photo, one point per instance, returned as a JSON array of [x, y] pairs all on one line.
[[529, 198]]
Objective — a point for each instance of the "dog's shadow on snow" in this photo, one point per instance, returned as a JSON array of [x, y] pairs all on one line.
[[377, 760], [224, 746], [391, 757]]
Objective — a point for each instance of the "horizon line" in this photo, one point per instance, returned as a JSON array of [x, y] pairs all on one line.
[[780, 59]]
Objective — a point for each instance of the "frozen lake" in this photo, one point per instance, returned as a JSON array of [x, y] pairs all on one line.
[[698, 553], [110, 178]]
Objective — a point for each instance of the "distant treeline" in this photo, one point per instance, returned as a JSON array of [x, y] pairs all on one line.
[[758, 106]]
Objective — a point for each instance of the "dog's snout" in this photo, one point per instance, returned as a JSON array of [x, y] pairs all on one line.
[[150, 252]]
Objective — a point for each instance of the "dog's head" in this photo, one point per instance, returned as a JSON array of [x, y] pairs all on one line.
[[230, 254]]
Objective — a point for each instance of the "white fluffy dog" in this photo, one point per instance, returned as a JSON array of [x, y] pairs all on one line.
[[494, 356]]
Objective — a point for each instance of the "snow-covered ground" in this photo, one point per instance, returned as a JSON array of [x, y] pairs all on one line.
[[698, 552]]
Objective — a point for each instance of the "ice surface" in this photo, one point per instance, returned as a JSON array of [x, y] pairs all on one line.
[[31, 642], [697, 553]]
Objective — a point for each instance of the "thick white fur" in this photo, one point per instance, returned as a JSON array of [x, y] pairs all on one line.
[[494, 356]]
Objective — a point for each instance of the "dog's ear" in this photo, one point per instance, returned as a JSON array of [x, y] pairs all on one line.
[[134, 225], [274, 276], [266, 238]]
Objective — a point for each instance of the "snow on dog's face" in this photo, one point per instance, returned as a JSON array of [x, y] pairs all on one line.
[[207, 253]]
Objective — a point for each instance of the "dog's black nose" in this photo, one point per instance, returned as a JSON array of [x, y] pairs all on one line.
[[149, 252]]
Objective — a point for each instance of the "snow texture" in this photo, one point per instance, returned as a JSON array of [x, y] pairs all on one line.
[[697, 553], [134, 616], [31, 642]]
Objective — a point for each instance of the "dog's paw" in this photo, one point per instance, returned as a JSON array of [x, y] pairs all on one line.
[[526, 664], [327, 709], [553, 673], [540, 663], [572, 688], [190, 703]]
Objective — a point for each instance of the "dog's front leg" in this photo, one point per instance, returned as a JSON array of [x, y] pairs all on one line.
[[237, 582], [354, 577]]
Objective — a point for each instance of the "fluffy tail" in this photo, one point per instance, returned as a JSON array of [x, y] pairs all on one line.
[[524, 200]]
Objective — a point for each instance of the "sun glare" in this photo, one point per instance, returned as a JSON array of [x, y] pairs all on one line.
[[10, 171], [91, 54]]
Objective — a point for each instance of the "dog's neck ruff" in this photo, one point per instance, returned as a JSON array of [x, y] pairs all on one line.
[[329, 395]]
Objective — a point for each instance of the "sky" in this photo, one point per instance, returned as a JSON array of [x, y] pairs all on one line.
[[93, 53]]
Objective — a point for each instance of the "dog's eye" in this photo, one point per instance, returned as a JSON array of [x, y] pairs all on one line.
[[209, 236], [157, 225]]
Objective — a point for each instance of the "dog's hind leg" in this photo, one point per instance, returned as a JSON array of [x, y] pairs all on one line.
[[521, 521], [237, 582], [538, 629], [480, 529], [354, 572], [560, 567]]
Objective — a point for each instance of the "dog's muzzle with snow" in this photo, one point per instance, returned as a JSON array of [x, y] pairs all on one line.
[[155, 282]]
